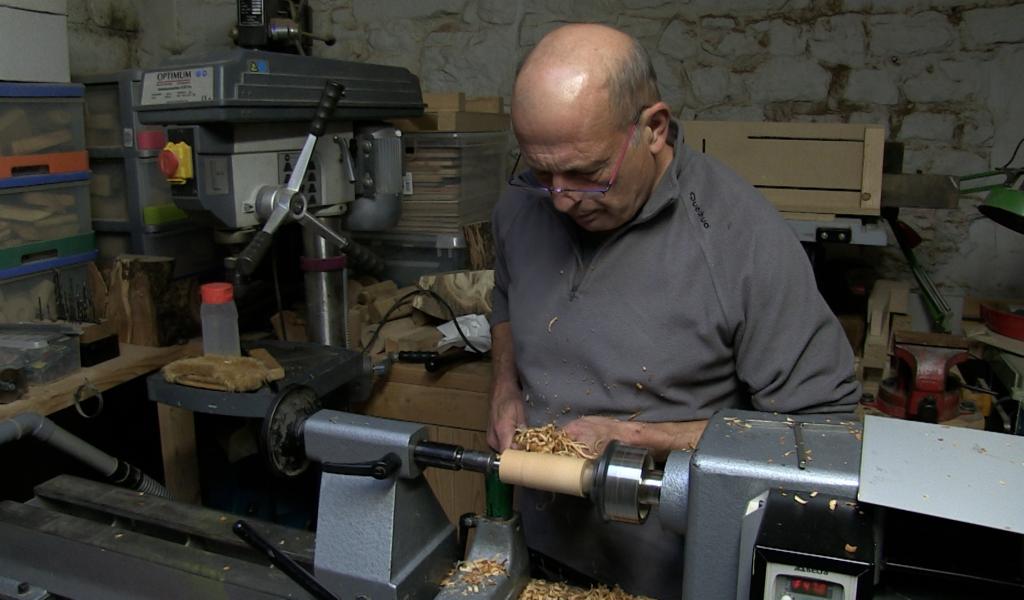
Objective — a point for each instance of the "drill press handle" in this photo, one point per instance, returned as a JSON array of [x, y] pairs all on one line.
[[283, 204]]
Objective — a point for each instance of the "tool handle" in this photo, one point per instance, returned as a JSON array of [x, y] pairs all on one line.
[[280, 560], [250, 258], [382, 468], [407, 356], [332, 93], [440, 361]]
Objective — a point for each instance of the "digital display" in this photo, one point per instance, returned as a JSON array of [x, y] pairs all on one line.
[[810, 587]]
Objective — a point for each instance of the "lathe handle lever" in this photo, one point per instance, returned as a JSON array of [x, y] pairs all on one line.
[[382, 468]]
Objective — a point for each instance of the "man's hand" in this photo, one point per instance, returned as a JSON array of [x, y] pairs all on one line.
[[660, 438], [507, 413]]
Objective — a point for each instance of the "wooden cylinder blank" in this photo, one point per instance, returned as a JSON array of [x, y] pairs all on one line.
[[548, 472]]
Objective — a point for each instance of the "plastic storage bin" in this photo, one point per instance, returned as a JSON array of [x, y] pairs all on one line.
[[407, 256], [39, 118], [111, 124], [112, 199], [454, 179], [50, 207], [50, 294], [45, 356], [103, 117]]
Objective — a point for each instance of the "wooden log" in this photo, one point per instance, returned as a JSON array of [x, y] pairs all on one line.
[[370, 293], [138, 289]]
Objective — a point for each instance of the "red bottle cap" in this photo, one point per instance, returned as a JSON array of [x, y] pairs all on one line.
[[217, 293]]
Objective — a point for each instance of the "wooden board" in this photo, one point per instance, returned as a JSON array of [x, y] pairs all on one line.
[[133, 362], [178, 448], [454, 121], [437, 101], [801, 167], [455, 406]]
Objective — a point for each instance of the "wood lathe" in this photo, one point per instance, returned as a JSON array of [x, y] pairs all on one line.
[[771, 506]]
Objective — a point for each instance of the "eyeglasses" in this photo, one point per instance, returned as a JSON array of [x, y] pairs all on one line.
[[531, 182]]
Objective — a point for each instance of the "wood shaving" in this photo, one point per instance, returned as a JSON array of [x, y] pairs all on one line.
[[850, 548], [799, 499], [832, 504], [551, 440], [475, 574], [551, 323], [538, 589]]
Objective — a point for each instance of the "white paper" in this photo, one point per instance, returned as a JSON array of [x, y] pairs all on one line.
[[476, 328]]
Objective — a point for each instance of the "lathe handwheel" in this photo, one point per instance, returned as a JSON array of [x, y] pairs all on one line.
[[281, 439]]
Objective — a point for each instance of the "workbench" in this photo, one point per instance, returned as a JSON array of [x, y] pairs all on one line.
[[455, 406], [177, 434]]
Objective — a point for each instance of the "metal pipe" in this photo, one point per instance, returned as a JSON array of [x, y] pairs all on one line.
[[45, 430], [326, 321]]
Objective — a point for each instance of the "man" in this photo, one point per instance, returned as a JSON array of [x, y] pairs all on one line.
[[640, 286]]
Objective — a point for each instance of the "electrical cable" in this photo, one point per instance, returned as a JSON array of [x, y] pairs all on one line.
[[1014, 155], [405, 300]]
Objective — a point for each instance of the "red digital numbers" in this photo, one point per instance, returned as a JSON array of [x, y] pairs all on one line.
[[809, 586]]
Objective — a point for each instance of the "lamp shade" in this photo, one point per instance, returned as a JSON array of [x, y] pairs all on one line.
[[1005, 206]]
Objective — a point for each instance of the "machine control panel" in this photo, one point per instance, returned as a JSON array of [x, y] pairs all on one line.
[[791, 584]]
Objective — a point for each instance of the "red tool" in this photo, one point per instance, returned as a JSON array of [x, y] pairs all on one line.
[[922, 388]]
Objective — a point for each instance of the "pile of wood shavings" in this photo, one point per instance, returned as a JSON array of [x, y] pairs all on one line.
[[538, 589], [550, 440], [475, 574]]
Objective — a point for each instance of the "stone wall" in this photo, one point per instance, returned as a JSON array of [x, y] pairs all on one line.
[[942, 75]]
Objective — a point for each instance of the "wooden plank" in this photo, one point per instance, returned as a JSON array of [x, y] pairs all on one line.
[[807, 216], [437, 101], [133, 362], [454, 121], [470, 377], [817, 201], [429, 405], [178, 449], [871, 182], [485, 104]]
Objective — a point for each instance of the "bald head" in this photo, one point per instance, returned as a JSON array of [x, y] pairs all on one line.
[[584, 75]]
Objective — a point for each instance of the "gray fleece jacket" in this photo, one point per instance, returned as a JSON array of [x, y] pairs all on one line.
[[704, 301]]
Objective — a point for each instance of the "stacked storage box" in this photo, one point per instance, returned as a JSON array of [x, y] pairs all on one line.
[[132, 209], [46, 236], [453, 179]]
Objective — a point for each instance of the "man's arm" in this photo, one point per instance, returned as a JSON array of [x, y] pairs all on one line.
[[659, 438], [507, 408]]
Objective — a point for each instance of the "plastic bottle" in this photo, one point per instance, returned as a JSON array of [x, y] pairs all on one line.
[[220, 320]]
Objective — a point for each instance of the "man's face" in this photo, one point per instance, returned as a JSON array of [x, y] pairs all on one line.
[[576, 170]]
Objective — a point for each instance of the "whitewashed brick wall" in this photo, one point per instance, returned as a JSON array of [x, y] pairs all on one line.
[[944, 76]]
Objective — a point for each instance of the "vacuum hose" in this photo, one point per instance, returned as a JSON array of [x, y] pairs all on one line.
[[116, 471]]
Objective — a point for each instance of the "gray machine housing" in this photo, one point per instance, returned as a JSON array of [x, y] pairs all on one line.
[[246, 114]]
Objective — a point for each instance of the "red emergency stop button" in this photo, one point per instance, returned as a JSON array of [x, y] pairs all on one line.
[[168, 163], [175, 162]]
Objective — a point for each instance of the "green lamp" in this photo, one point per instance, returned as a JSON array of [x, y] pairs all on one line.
[[1005, 206], [1005, 203]]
